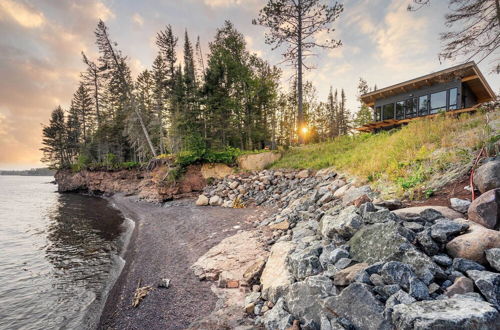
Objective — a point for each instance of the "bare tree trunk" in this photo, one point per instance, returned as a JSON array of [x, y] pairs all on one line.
[[497, 4], [300, 114]]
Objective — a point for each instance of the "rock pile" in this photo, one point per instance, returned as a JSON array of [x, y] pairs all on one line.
[[340, 258]]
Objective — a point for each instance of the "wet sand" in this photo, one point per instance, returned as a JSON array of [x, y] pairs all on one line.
[[165, 243]]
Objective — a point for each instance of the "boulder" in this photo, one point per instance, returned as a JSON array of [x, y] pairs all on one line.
[[278, 318], [345, 224], [416, 210], [355, 194], [304, 299], [489, 285], [305, 262], [463, 265], [444, 230], [485, 210], [215, 170], [331, 255], [473, 244], [358, 304], [493, 257], [257, 162], [461, 285], [391, 242], [303, 174], [202, 200], [487, 176], [276, 277], [347, 275], [395, 272], [460, 205], [380, 216], [455, 313], [341, 191], [400, 297], [215, 200]]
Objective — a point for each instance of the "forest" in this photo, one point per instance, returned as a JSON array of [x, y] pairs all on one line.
[[227, 101]]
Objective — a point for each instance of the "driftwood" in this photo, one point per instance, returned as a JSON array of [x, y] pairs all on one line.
[[140, 293]]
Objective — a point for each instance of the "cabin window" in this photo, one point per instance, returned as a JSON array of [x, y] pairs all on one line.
[[411, 107], [452, 99], [423, 105], [438, 101], [400, 110], [378, 113], [388, 111]]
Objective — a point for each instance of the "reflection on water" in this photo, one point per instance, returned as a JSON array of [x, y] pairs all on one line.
[[58, 255]]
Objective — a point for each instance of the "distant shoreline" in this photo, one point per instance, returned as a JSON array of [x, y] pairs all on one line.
[[30, 172]]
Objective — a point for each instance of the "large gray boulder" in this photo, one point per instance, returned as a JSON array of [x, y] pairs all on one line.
[[358, 304], [278, 318], [305, 262], [304, 299], [444, 230], [345, 224], [493, 257], [391, 242], [487, 176], [485, 210], [489, 285], [458, 312]]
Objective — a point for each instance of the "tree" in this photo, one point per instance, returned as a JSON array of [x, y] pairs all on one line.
[[92, 79], [160, 97], [82, 106], [364, 114], [55, 141], [114, 60], [296, 24], [478, 33]]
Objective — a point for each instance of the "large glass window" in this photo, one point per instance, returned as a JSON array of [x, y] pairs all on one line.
[[423, 105], [452, 99], [388, 111], [438, 101], [400, 110], [411, 107], [378, 113]]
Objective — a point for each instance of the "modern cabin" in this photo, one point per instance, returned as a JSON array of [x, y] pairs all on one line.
[[458, 89]]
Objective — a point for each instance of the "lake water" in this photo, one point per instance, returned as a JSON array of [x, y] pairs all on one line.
[[59, 255]]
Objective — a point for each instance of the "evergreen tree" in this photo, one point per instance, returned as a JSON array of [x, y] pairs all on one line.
[[364, 114], [55, 141], [296, 24]]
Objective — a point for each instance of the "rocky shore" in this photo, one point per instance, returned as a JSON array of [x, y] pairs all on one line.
[[339, 257]]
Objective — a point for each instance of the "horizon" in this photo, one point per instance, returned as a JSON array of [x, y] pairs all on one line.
[[41, 44]]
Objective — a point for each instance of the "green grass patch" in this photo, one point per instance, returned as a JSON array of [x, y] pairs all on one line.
[[405, 158]]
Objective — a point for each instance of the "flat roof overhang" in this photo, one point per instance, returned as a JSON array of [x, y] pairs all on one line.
[[469, 73]]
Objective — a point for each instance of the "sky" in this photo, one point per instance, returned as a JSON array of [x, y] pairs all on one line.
[[41, 43]]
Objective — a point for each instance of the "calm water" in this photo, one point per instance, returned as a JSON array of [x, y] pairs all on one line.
[[59, 255]]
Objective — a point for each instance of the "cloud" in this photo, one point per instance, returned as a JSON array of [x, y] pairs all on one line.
[[40, 65], [21, 13], [137, 19], [233, 3]]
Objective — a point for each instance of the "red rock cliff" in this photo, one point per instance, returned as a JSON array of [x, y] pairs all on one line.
[[147, 184]]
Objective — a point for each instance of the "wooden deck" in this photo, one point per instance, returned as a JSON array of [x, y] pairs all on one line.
[[396, 122]]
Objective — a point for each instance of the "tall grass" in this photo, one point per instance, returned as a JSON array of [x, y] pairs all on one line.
[[405, 157]]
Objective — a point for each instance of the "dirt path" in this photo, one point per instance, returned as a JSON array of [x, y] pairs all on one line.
[[165, 243]]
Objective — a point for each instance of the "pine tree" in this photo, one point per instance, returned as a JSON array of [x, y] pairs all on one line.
[[364, 114], [296, 24], [116, 63], [55, 141], [82, 105], [160, 99]]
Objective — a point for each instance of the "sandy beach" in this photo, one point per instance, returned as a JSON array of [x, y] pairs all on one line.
[[166, 242]]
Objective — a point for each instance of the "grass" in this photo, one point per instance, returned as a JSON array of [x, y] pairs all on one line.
[[405, 159]]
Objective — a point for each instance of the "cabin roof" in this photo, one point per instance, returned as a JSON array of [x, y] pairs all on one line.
[[468, 72]]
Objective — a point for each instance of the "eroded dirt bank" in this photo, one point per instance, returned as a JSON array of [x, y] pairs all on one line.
[[166, 242]]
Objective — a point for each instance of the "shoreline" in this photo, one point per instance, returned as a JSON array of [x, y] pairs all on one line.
[[165, 242]]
